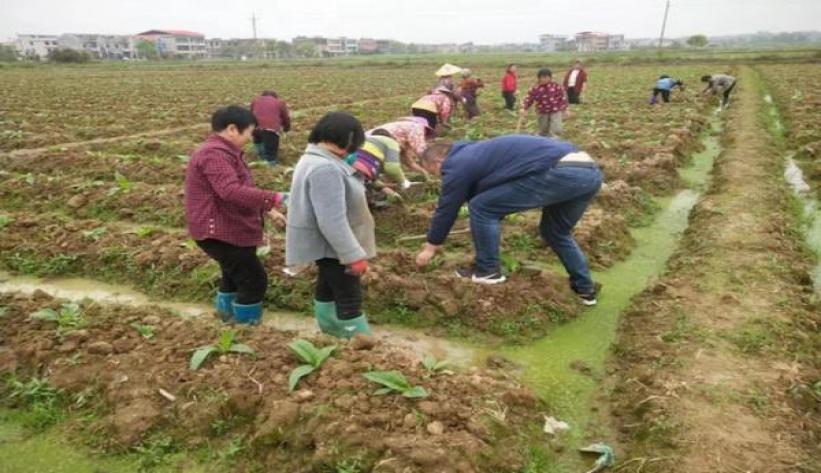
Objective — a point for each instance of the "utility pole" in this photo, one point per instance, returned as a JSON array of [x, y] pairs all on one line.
[[664, 24], [254, 25]]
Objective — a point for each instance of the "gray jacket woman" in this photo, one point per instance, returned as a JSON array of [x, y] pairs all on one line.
[[329, 224]]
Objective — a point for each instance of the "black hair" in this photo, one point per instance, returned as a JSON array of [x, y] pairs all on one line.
[[664, 76], [241, 117], [339, 128], [270, 93], [381, 132], [706, 78], [544, 72]]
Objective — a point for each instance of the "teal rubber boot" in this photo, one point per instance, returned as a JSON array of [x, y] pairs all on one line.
[[222, 304], [349, 328], [325, 314], [247, 313]]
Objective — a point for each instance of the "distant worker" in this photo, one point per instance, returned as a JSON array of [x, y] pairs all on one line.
[[445, 76], [550, 101], [469, 89], [224, 213], [574, 82], [507, 175], [720, 83], [273, 119], [412, 134], [510, 87], [664, 85], [435, 107]]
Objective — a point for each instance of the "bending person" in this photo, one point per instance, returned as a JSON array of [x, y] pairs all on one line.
[[506, 175]]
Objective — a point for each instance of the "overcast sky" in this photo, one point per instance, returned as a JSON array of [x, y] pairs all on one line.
[[423, 21]]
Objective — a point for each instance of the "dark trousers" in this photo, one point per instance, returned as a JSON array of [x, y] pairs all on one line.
[[725, 100], [471, 106], [431, 117], [268, 142], [335, 285], [665, 94], [242, 271], [510, 100], [573, 96]]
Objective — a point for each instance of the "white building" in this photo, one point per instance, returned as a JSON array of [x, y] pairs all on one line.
[[101, 46], [590, 41], [551, 42], [36, 46], [176, 43]]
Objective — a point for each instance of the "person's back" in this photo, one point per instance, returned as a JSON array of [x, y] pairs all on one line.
[[721, 82], [271, 113], [478, 166]]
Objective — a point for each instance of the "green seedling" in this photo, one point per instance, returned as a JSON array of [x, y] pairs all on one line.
[[510, 263], [68, 318], [145, 231], [432, 365], [122, 184], [309, 354], [223, 347], [4, 221], [145, 331], [94, 235], [3, 312], [395, 382]]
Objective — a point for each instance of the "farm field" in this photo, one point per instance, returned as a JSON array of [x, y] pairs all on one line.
[[92, 162]]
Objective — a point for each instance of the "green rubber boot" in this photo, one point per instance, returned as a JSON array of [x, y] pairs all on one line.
[[325, 314], [349, 328]]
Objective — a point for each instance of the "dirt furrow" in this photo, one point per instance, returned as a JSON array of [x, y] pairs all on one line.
[[716, 363]]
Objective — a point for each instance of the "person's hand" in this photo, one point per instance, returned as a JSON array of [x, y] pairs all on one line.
[[277, 218], [393, 196], [427, 254], [357, 268]]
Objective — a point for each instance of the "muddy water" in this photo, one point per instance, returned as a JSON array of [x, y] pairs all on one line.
[[811, 218], [810, 206], [553, 365]]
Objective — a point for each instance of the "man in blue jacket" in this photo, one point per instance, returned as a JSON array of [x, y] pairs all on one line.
[[510, 174]]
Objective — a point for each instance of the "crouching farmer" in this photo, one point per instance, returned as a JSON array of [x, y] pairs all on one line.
[[329, 224], [506, 175], [225, 213]]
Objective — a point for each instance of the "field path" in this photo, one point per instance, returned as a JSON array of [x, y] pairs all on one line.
[[170, 131], [716, 362]]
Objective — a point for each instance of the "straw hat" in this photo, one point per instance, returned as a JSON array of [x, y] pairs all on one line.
[[448, 70]]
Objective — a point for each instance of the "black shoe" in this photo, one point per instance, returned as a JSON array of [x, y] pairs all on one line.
[[588, 299], [495, 277]]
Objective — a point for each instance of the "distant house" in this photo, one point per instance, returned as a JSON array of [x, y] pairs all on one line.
[[101, 46], [36, 46], [176, 43], [590, 41], [551, 42]]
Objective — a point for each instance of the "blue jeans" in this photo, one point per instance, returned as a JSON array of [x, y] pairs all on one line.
[[562, 193]]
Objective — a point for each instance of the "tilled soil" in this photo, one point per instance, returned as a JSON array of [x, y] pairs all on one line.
[[473, 421]]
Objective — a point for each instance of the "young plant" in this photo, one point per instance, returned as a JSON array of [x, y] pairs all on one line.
[[123, 184], [94, 235], [510, 263], [224, 346], [5, 220], [309, 354], [395, 382], [145, 331], [68, 318], [432, 365]]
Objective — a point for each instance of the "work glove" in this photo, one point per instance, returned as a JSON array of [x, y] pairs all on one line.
[[357, 268]]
